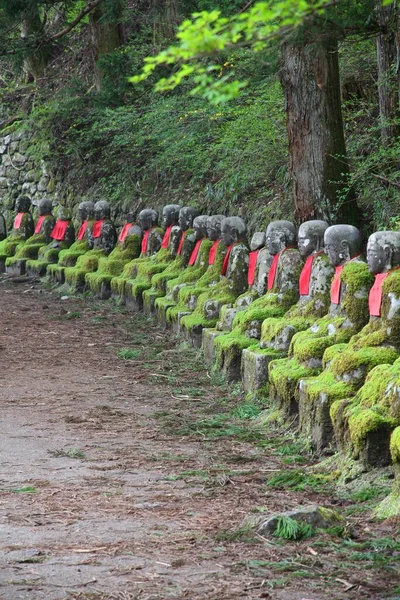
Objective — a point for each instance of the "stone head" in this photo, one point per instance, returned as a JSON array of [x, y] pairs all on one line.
[[200, 226], [148, 218], [45, 207], [170, 215], [86, 210], [187, 214], [135, 229], [257, 241], [63, 213], [23, 204], [342, 242], [279, 235], [233, 229], [214, 227], [130, 217], [310, 237], [383, 251], [102, 210]]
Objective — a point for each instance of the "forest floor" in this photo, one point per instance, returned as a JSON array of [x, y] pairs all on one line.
[[127, 470]]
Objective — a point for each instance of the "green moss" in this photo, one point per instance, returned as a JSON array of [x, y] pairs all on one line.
[[285, 375], [113, 265], [363, 422], [325, 384], [274, 326], [228, 346], [366, 358], [75, 276], [395, 445]]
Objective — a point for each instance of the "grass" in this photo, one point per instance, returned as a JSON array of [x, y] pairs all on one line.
[[69, 453], [242, 534], [247, 410], [290, 529], [27, 489], [300, 481], [128, 353]]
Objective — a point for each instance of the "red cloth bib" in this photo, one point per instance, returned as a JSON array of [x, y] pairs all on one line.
[[251, 272], [375, 293], [167, 235], [195, 253], [305, 275], [39, 224], [181, 243], [226, 260], [17, 220], [336, 285], [273, 269], [213, 252], [59, 230], [145, 240], [82, 230], [97, 228], [124, 232]]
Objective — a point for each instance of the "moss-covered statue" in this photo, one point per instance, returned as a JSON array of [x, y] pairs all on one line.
[[259, 263], [22, 230], [63, 236], [16, 265], [3, 228], [197, 265], [158, 248], [187, 241], [68, 258], [101, 239], [187, 295], [360, 418], [282, 292], [314, 289], [232, 282], [347, 315], [128, 247]]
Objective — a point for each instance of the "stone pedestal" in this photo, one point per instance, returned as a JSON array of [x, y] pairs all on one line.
[[255, 368], [17, 268], [315, 420], [133, 304], [176, 324], [149, 299], [38, 270], [105, 291], [209, 336], [194, 336], [2, 265]]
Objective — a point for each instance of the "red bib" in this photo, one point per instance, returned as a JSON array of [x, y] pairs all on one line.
[[167, 235], [375, 293], [195, 253], [305, 275], [82, 230], [273, 269], [336, 285], [181, 243], [226, 260], [17, 220], [213, 252], [59, 230], [39, 224], [124, 232], [251, 272], [97, 228], [145, 240]]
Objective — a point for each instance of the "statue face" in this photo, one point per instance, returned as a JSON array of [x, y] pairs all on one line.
[[170, 215], [63, 214], [226, 234], [214, 227], [337, 251], [200, 227], [101, 210], [89, 207], [187, 215], [45, 207], [275, 239], [311, 237], [146, 219], [377, 257], [23, 204], [82, 211]]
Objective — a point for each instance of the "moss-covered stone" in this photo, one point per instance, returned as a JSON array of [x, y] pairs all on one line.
[[75, 276], [390, 506]]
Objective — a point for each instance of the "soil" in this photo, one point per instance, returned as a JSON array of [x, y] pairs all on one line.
[[125, 475]]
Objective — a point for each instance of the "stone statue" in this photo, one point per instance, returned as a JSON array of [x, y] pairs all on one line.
[[282, 292], [3, 228], [68, 258], [347, 315], [314, 289], [102, 236], [161, 246], [63, 236], [197, 265], [16, 265], [22, 230], [187, 295], [186, 244], [347, 365], [233, 281]]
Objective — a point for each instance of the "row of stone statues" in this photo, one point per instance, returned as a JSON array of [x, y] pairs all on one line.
[[301, 317]]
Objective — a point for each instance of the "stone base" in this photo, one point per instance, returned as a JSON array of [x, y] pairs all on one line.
[[195, 336], [57, 277], [105, 291], [36, 270], [2, 265], [254, 369], [375, 452], [176, 323], [18, 268], [231, 365], [149, 303], [134, 304], [209, 336], [315, 420]]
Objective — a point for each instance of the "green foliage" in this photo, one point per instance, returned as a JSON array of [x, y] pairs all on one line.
[[128, 353], [299, 481], [290, 529]]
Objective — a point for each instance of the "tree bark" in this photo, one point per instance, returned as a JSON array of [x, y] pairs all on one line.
[[318, 161], [36, 56], [388, 56], [106, 36]]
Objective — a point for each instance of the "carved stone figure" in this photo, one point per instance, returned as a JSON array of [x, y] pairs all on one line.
[[347, 315], [16, 265], [233, 281], [22, 230], [314, 290], [3, 228], [68, 258], [63, 236], [282, 292]]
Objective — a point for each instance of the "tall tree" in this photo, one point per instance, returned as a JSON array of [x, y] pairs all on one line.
[[106, 34]]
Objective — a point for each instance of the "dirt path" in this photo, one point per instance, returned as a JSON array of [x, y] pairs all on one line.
[[125, 479]]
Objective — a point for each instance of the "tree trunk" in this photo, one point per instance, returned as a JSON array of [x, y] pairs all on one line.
[[318, 161], [36, 56], [388, 56], [106, 36]]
